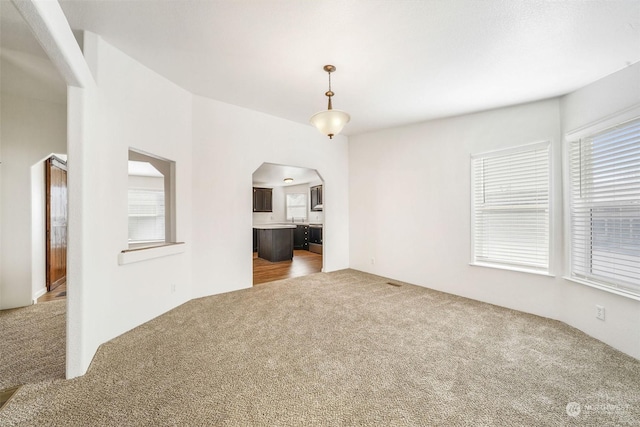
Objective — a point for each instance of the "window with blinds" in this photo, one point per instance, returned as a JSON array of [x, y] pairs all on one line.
[[151, 200], [296, 206], [605, 208], [510, 208], [146, 215]]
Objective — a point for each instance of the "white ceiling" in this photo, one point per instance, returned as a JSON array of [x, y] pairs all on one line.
[[14, 33], [398, 61], [25, 68], [272, 175], [137, 168]]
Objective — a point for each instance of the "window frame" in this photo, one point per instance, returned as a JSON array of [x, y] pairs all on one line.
[[590, 129], [286, 205], [168, 169], [548, 271], [157, 214]]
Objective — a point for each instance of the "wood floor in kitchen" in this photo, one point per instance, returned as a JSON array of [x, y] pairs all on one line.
[[303, 263], [57, 294]]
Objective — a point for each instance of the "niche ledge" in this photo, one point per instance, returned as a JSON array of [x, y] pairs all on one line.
[[129, 256]]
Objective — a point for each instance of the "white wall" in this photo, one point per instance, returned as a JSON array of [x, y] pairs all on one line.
[[31, 76], [230, 143], [410, 208], [31, 129], [410, 203], [130, 106]]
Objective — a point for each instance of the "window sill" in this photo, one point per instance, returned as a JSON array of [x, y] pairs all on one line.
[[144, 245], [518, 269], [129, 256], [603, 288]]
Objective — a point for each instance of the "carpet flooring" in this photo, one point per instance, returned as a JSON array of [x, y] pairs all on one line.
[[342, 348], [33, 344]]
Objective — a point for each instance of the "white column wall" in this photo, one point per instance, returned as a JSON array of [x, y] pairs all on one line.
[[131, 106]]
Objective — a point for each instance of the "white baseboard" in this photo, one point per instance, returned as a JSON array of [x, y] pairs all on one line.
[[38, 294]]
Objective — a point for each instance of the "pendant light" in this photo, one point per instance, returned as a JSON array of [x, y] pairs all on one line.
[[330, 122]]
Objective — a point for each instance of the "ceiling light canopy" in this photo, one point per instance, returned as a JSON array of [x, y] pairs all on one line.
[[288, 180], [330, 122]]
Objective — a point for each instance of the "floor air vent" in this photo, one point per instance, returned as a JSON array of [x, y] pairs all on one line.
[[394, 284]]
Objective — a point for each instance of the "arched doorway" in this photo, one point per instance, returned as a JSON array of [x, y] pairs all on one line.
[[288, 222]]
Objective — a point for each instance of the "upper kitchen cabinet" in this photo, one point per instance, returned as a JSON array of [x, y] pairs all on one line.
[[316, 198], [262, 199]]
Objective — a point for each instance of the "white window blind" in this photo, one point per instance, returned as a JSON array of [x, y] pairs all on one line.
[[510, 207], [296, 206], [605, 207], [146, 215]]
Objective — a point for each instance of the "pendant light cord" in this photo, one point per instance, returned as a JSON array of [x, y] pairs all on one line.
[[329, 93]]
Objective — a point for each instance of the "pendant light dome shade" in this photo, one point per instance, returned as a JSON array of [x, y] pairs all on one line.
[[330, 122]]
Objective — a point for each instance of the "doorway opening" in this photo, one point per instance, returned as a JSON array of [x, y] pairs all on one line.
[[56, 222], [49, 228], [288, 222]]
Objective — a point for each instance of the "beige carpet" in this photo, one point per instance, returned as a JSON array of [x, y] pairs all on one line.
[[342, 348], [32, 341]]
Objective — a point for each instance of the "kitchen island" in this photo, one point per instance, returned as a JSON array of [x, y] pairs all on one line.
[[275, 241]]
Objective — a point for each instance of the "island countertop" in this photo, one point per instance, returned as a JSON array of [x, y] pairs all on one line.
[[285, 225], [274, 226]]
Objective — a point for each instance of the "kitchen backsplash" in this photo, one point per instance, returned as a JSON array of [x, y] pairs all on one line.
[[273, 217]]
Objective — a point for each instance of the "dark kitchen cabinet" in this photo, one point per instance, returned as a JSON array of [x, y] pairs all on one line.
[[262, 199], [315, 235], [316, 198], [315, 239], [301, 237], [275, 244], [255, 240]]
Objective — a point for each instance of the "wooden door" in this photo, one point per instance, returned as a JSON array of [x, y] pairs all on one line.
[[56, 222]]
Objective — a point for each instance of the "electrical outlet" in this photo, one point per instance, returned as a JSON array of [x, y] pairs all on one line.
[[373, 261], [599, 312], [173, 287]]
